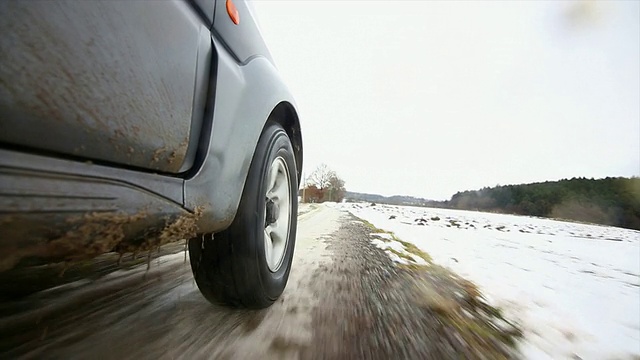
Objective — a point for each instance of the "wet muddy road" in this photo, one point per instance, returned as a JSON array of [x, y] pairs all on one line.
[[344, 299]]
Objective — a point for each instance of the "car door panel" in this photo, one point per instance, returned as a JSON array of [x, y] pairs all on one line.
[[111, 81]]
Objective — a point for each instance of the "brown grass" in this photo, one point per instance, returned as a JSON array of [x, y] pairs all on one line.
[[471, 317]]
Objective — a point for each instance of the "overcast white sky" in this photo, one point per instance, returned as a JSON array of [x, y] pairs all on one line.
[[429, 98]]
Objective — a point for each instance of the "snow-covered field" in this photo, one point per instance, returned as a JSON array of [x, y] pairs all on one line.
[[573, 288]]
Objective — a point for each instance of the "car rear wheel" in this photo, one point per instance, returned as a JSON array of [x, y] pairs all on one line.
[[248, 264]]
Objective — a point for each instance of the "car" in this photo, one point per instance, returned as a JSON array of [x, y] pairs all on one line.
[[127, 125]]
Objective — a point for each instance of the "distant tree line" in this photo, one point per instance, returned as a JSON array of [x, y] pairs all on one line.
[[391, 200], [609, 201]]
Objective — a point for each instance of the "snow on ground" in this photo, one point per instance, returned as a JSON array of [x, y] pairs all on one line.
[[574, 288], [395, 250]]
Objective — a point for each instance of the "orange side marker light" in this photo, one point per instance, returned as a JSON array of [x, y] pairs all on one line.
[[233, 12]]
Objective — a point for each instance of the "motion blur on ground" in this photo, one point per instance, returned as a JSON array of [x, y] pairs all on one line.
[[470, 190]]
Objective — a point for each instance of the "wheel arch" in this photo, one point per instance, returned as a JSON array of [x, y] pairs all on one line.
[[286, 115], [247, 97]]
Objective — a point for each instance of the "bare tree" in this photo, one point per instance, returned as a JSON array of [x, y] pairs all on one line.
[[320, 177], [324, 185]]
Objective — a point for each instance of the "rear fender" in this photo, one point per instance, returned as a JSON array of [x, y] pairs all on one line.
[[246, 95]]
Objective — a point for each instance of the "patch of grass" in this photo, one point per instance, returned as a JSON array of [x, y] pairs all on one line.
[[372, 227], [472, 319], [413, 249], [381, 238], [414, 267], [401, 255], [471, 290], [430, 297]]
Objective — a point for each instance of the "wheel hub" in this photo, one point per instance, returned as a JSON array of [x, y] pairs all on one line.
[[273, 212]]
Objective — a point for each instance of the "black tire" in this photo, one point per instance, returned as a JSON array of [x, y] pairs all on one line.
[[230, 267]]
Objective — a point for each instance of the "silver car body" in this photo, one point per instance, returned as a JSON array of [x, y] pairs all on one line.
[[150, 110]]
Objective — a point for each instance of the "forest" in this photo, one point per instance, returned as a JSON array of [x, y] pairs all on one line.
[[610, 201]]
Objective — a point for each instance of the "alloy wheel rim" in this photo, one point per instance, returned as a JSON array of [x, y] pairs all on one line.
[[277, 213]]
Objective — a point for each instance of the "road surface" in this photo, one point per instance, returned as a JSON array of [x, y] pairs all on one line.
[[344, 299]]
